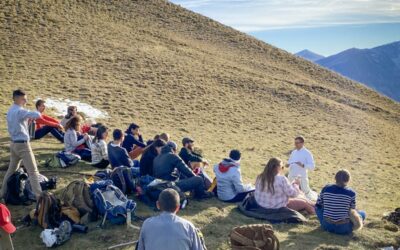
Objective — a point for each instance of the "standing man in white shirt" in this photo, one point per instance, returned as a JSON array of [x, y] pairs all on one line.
[[20, 148], [301, 160]]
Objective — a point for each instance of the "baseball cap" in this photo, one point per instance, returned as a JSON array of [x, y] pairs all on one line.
[[187, 140], [5, 220], [172, 145]]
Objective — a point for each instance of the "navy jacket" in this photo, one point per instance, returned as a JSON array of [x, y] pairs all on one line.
[[146, 162], [118, 156], [130, 141]]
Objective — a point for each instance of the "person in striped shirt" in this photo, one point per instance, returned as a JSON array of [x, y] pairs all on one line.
[[334, 204]]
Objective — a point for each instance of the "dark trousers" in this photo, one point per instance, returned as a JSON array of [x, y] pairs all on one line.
[[84, 153], [194, 183], [239, 197], [41, 132], [102, 164]]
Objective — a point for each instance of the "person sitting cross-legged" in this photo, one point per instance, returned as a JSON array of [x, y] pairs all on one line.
[[167, 231], [46, 124], [117, 155], [169, 166], [230, 187], [273, 189], [335, 203], [191, 158]]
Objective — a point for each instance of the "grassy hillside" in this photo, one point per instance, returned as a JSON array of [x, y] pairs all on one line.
[[171, 70]]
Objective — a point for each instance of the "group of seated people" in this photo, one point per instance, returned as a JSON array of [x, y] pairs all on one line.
[[159, 158]]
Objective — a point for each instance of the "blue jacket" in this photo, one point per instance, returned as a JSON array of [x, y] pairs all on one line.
[[118, 156], [130, 141]]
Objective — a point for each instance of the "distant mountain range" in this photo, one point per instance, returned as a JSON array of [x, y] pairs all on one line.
[[378, 68]]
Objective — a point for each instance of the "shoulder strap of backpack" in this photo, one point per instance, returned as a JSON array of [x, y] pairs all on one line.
[[119, 172]]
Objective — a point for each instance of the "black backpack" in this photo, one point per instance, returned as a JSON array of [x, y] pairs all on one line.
[[152, 192], [124, 179], [48, 210], [16, 193]]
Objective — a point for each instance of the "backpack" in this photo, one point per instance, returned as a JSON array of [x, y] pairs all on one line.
[[53, 162], [111, 202], [254, 237], [77, 195], [48, 210], [124, 179], [154, 188], [16, 193], [45, 184]]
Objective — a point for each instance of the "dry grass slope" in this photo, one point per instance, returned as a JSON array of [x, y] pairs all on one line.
[[171, 70]]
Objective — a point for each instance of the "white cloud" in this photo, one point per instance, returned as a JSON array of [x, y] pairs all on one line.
[[253, 15]]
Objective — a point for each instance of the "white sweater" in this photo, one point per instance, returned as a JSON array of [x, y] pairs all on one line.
[[305, 157]]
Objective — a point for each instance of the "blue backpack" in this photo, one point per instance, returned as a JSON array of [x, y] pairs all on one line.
[[111, 203]]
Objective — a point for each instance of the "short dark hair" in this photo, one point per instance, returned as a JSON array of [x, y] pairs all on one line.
[[168, 200], [132, 126], [235, 155], [342, 177], [18, 93], [117, 134], [39, 102], [299, 138]]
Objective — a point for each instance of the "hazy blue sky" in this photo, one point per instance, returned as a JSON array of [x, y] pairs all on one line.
[[323, 26]]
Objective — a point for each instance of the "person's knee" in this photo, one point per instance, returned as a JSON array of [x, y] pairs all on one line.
[[363, 214]]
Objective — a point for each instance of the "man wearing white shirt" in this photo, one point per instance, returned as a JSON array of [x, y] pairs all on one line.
[[301, 160], [20, 148]]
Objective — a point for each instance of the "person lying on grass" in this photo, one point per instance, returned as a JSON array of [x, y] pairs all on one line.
[[273, 189], [133, 141], [230, 186], [170, 167], [336, 206], [74, 141], [168, 231], [99, 148], [117, 155], [46, 124]]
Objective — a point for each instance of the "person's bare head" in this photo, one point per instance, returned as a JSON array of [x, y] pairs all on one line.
[[168, 201], [342, 178], [299, 142], [19, 97], [165, 137], [40, 105]]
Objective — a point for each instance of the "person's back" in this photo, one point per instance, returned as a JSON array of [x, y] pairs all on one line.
[[146, 162], [168, 231], [165, 164], [99, 151], [283, 190], [337, 202], [117, 155]]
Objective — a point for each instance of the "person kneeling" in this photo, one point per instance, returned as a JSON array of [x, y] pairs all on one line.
[[230, 187], [335, 205], [168, 231], [273, 189], [164, 166]]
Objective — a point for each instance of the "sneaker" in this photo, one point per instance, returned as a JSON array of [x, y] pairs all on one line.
[[63, 232]]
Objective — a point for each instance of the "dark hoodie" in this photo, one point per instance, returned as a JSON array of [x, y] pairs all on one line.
[[165, 164]]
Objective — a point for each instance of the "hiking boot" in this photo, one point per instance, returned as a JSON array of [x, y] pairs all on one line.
[[205, 195]]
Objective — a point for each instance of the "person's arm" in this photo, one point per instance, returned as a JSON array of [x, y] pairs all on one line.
[[190, 157], [126, 160], [72, 139], [104, 151], [46, 120], [353, 202], [140, 244], [237, 182], [24, 114], [182, 167], [197, 239], [309, 164], [291, 190], [320, 200], [139, 142]]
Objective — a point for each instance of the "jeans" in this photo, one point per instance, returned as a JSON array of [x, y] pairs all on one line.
[[195, 183], [84, 153], [239, 197], [41, 132], [346, 228]]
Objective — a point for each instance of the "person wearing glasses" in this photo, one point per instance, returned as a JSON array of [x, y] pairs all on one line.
[[300, 162]]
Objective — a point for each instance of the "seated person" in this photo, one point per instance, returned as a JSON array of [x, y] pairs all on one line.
[[165, 136], [99, 148], [192, 159], [46, 124], [74, 142], [165, 166], [151, 152], [133, 142], [117, 155], [230, 187], [334, 205], [273, 189], [71, 112], [182, 234]]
